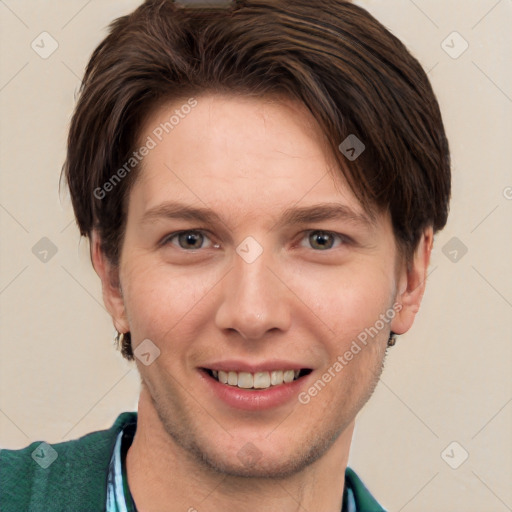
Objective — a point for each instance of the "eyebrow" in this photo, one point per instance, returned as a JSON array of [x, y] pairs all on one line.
[[325, 211], [291, 216]]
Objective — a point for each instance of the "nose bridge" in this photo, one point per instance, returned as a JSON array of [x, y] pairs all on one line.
[[254, 301], [252, 282]]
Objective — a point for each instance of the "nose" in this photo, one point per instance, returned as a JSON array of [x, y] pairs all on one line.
[[254, 300]]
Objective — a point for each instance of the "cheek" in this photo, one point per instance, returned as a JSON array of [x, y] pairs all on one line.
[[159, 301], [347, 299]]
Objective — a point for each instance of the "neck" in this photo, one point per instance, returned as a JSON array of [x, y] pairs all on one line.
[[164, 476]]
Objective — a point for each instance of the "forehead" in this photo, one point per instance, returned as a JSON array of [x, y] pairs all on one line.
[[243, 153]]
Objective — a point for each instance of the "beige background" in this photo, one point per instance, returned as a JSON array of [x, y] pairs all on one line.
[[448, 379]]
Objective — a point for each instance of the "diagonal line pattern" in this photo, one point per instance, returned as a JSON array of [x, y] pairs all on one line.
[[197, 401], [197, 302], [111, 388], [489, 421], [171, 170], [13, 218], [432, 68], [405, 504], [494, 288], [508, 508], [71, 70], [305, 194], [185, 184], [332, 332], [409, 408], [214, 489], [492, 81], [281, 422], [199, 199], [14, 76], [167, 332], [67, 225], [424, 13], [12, 280], [302, 507], [486, 14], [84, 288], [428, 275], [3, 3], [492, 211], [14, 424], [76, 14]]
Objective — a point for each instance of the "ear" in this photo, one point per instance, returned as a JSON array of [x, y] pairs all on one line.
[[412, 281], [111, 287]]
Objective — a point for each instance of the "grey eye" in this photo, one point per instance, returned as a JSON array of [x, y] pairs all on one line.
[[190, 240], [321, 240]]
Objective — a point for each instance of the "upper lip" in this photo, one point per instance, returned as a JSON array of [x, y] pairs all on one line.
[[266, 366]]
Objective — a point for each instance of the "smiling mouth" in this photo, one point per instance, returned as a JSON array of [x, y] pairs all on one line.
[[258, 380]]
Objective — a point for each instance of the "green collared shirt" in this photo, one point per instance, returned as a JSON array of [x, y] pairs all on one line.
[[89, 474]]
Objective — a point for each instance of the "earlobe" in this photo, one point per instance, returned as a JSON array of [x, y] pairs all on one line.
[[109, 275], [412, 284]]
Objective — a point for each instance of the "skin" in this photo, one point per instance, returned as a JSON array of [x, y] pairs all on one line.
[[248, 160]]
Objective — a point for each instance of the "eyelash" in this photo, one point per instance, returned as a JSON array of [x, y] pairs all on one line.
[[344, 240]]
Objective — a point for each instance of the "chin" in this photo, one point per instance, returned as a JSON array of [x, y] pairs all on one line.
[[262, 458]]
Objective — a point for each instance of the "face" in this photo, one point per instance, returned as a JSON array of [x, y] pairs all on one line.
[[245, 252]]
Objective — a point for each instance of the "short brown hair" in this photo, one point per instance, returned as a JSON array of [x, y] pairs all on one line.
[[354, 76]]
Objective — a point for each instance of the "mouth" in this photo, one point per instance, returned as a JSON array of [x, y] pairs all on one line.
[[258, 380]]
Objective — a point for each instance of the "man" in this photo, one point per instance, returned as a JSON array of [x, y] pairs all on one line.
[[261, 182]]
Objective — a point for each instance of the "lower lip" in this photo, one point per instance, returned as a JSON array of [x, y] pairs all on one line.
[[254, 400]]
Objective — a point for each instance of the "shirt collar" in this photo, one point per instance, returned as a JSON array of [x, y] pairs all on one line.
[[119, 498]]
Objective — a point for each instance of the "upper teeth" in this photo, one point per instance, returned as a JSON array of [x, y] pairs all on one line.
[[258, 380]]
